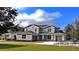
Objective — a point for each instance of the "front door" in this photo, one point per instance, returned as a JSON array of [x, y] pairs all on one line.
[[34, 38], [45, 37], [40, 37]]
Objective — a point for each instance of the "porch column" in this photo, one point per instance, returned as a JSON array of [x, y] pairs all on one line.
[[54, 37], [42, 37], [37, 37]]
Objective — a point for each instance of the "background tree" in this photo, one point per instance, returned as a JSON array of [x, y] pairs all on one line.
[[17, 28], [72, 30], [68, 32], [7, 17], [77, 28]]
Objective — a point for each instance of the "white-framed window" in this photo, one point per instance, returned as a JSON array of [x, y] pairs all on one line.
[[8, 36], [35, 29], [49, 36], [49, 30], [23, 36]]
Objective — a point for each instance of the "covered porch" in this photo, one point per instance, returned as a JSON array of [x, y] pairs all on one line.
[[51, 37]]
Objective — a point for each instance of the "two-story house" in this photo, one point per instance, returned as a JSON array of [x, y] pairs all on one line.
[[45, 32], [36, 32]]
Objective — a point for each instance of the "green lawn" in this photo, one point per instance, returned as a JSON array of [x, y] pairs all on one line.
[[7, 41], [34, 47]]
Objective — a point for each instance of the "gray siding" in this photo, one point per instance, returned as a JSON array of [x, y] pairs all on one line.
[[28, 37], [9, 35], [52, 29], [32, 28]]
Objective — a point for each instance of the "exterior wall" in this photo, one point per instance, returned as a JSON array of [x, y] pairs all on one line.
[[59, 37], [52, 29], [63, 37], [7, 36], [10, 36], [32, 28], [28, 37], [19, 37], [2, 37]]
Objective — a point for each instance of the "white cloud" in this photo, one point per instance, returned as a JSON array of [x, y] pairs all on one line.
[[36, 17], [24, 24]]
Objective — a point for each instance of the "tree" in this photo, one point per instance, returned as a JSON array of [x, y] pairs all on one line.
[[72, 31], [7, 17], [17, 28], [68, 32], [77, 28]]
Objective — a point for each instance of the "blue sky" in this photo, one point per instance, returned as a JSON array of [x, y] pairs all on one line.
[[58, 16]]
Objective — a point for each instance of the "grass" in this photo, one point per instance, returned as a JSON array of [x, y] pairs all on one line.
[[34, 47], [5, 47], [7, 41]]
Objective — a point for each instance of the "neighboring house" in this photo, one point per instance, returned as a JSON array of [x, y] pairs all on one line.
[[35, 32]]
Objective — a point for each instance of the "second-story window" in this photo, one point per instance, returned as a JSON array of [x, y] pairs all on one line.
[[35, 30], [49, 30]]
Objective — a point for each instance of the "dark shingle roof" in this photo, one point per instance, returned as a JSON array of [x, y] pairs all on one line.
[[26, 32], [41, 26], [19, 32]]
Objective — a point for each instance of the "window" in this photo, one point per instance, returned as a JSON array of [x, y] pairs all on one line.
[[35, 30], [49, 30], [7, 35], [49, 36], [45, 36], [23, 36]]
